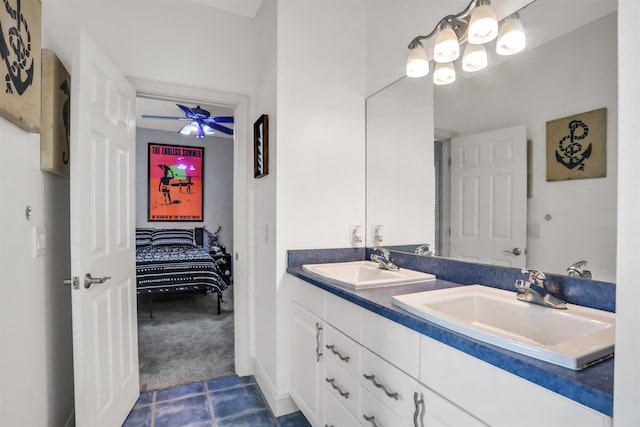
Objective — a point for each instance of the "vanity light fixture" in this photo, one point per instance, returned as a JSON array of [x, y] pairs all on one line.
[[476, 25]]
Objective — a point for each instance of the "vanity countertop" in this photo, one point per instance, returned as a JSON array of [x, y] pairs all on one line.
[[592, 387]]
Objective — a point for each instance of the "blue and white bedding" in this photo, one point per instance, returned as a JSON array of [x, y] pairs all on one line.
[[168, 267]]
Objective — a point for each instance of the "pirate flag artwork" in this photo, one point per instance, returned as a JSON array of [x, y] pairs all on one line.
[[577, 146], [20, 63]]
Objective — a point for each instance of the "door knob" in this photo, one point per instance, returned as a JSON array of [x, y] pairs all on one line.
[[514, 251], [88, 280]]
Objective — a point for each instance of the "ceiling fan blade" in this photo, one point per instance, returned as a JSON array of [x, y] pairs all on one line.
[[221, 128], [222, 119], [186, 110], [146, 116]]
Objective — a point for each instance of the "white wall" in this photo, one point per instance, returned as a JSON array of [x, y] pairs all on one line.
[[572, 74], [262, 288], [36, 372], [627, 374], [218, 181], [321, 150]]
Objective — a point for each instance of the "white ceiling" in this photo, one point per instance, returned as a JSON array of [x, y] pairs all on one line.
[[239, 7]]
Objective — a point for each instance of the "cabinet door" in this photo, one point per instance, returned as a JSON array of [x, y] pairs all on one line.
[[307, 363], [436, 411], [336, 415]]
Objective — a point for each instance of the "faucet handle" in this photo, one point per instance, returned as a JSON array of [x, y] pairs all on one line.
[[536, 277]]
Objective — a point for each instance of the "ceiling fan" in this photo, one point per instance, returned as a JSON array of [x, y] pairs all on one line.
[[202, 123]]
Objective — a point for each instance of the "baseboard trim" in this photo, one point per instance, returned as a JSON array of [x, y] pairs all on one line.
[[280, 404], [71, 421]]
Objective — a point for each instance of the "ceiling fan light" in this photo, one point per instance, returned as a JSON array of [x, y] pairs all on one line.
[[186, 130], [444, 74], [511, 39], [417, 62], [208, 130], [483, 26], [474, 58], [446, 48]]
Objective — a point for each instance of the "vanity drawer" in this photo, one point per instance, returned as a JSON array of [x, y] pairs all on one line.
[[392, 341], [343, 351], [394, 388], [310, 297], [335, 415], [342, 386], [372, 413], [345, 316]]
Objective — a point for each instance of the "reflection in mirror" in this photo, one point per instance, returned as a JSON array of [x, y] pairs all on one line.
[[408, 174]]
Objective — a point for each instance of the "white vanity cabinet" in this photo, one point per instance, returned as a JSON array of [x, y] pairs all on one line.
[[376, 372], [307, 369]]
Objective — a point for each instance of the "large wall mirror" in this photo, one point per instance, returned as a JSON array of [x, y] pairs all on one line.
[[414, 126]]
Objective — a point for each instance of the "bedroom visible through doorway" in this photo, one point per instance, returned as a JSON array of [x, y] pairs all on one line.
[[181, 337]]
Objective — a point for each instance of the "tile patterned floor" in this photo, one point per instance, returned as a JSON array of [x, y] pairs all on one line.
[[223, 402]]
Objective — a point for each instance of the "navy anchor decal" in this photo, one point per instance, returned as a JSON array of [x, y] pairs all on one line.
[[18, 42], [570, 153]]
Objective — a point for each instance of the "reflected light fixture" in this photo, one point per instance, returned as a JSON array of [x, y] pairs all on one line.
[[476, 25]]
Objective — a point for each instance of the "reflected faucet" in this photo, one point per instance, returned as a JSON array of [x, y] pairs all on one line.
[[577, 270], [423, 250], [383, 260], [534, 291]]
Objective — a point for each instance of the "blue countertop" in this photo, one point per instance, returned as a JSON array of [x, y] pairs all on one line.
[[592, 386]]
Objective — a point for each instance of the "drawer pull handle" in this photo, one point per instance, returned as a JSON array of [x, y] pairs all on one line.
[[418, 403], [332, 381], [318, 329], [327, 425], [337, 353], [372, 378], [371, 419]]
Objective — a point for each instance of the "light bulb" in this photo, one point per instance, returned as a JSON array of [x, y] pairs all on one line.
[[444, 73], [417, 62], [474, 58], [483, 26], [446, 47], [511, 39]]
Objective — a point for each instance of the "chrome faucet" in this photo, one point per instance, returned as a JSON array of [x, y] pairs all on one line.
[[534, 291], [577, 270], [423, 250], [384, 259]]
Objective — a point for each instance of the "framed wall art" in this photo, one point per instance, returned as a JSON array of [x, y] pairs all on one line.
[[577, 146], [56, 115], [20, 63], [261, 147], [176, 183]]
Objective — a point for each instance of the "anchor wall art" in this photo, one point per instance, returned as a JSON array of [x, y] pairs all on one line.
[[176, 181], [577, 146], [20, 63], [56, 115]]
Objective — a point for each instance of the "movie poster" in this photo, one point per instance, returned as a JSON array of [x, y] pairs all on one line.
[[176, 183]]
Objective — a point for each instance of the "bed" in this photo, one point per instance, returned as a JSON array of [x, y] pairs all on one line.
[[168, 261]]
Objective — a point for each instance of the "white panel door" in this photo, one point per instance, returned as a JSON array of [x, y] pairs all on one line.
[[105, 339], [489, 197]]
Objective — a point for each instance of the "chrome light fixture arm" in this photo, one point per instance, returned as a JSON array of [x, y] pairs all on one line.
[[458, 23]]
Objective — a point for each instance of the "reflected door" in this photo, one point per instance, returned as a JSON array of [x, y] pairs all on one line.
[[489, 197]]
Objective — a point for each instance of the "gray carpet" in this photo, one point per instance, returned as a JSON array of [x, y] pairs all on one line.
[[186, 341]]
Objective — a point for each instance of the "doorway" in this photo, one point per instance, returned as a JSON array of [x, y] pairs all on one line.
[[238, 304], [185, 300]]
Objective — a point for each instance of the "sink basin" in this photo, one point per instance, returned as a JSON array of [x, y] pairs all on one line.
[[573, 338], [364, 274]]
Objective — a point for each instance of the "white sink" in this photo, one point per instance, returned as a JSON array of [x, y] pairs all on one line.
[[573, 338], [364, 274]]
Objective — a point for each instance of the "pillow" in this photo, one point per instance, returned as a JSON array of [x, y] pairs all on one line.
[[144, 236], [173, 237]]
